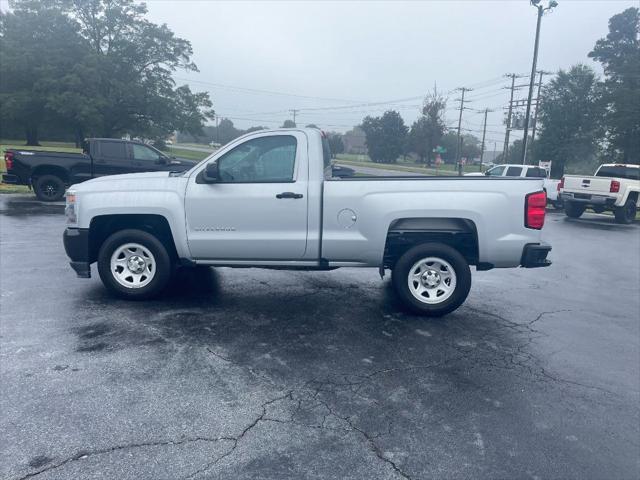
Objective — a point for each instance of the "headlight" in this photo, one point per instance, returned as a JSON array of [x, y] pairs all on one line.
[[70, 208]]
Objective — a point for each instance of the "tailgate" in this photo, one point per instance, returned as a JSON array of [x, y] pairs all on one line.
[[591, 185]]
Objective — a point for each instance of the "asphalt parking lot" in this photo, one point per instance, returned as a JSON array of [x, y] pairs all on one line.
[[252, 373]]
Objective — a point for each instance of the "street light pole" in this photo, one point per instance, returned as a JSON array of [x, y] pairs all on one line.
[[541, 9]]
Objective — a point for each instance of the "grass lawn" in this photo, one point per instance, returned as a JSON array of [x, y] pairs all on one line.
[[188, 154]]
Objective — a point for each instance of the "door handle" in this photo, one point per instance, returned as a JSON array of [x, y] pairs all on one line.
[[289, 195]]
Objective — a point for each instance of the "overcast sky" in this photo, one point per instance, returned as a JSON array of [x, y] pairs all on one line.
[[356, 52], [331, 54]]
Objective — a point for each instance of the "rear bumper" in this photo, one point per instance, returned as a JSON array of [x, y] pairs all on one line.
[[587, 199], [76, 244], [534, 255], [13, 179]]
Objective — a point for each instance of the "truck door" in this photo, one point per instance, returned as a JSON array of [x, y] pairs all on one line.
[[257, 210], [110, 157]]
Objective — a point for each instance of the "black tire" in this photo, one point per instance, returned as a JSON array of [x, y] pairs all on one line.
[[162, 264], [627, 213], [558, 205], [49, 188], [405, 264], [573, 210]]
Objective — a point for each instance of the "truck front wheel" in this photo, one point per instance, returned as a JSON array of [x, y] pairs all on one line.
[[626, 213], [134, 264], [573, 210], [49, 188], [432, 279]]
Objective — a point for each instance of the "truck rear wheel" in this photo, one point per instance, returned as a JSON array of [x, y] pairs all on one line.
[[134, 264], [432, 279], [626, 213], [49, 188], [573, 210]]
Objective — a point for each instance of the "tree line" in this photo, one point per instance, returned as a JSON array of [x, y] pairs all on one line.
[[93, 68]]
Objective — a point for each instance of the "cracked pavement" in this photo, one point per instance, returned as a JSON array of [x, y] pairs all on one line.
[[252, 373]]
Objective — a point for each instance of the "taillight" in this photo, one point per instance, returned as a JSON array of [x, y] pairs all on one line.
[[8, 160], [561, 184], [534, 210], [614, 187]]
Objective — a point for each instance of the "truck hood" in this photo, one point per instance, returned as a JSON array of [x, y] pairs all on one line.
[[127, 182]]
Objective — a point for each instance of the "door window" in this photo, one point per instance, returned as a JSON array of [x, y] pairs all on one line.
[[115, 150], [495, 171], [265, 159], [514, 171], [144, 153]]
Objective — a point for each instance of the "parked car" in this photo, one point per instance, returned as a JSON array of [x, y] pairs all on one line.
[[48, 173], [614, 187], [268, 199], [550, 185]]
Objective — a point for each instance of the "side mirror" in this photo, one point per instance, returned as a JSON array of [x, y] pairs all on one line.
[[210, 174]]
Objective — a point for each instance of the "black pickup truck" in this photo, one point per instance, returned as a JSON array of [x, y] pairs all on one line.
[[49, 173]]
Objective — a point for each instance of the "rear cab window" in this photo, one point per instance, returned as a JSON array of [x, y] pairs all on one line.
[[619, 171], [514, 171], [536, 172]]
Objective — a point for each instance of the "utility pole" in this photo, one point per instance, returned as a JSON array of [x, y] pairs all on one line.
[[217, 130], [294, 112], [505, 148], [541, 9], [535, 112], [484, 134], [458, 145]]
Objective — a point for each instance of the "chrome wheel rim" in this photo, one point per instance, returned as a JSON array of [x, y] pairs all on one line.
[[133, 265], [432, 280]]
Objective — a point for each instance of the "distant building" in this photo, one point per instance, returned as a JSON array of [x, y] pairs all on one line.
[[354, 141]]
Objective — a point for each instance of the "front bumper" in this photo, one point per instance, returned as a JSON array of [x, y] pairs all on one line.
[[76, 244], [534, 255]]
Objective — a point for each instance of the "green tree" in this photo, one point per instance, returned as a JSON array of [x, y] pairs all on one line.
[[38, 45], [470, 146], [426, 132], [288, 124], [571, 119], [385, 136], [336, 144], [100, 67], [619, 54], [227, 131]]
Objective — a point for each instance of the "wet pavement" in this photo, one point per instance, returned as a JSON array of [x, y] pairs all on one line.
[[251, 373]]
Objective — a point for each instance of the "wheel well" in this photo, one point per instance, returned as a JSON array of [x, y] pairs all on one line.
[[51, 170], [103, 226], [634, 196], [405, 233]]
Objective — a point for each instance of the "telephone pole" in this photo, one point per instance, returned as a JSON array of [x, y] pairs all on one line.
[[294, 112], [535, 112], [484, 134], [505, 148], [541, 10], [463, 90]]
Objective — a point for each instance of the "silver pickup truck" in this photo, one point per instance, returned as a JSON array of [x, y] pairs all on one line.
[[269, 200]]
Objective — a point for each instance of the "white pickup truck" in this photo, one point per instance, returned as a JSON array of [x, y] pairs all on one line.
[[614, 187], [268, 199], [550, 186]]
